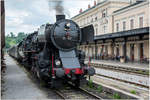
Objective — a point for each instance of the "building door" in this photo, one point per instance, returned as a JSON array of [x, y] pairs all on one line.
[[102, 52], [141, 51], [92, 52], [124, 50], [96, 52], [132, 52], [117, 51], [106, 49]]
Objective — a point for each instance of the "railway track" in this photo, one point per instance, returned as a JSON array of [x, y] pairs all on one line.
[[141, 85], [129, 71], [71, 92], [122, 69]]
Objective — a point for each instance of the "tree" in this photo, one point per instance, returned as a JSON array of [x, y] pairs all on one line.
[[12, 35], [20, 37], [11, 40]]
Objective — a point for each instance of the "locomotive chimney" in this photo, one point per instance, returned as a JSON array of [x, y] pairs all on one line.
[[60, 17], [89, 6], [80, 10], [94, 3]]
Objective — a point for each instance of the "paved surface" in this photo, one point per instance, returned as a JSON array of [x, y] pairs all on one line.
[[18, 85], [142, 93], [134, 78], [117, 63]]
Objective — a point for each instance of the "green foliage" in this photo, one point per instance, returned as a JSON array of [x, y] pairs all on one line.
[[147, 72], [133, 91], [90, 83], [11, 39], [12, 35], [99, 88], [116, 96], [20, 37]]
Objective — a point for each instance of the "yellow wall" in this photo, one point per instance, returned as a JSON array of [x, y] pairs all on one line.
[[132, 13], [146, 49]]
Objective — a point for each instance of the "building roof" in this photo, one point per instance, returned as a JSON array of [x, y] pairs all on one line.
[[89, 9], [136, 3], [123, 33]]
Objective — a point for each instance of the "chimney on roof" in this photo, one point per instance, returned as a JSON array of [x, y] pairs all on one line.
[[80, 10], [89, 6], [94, 3]]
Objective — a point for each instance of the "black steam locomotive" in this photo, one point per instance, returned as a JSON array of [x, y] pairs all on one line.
[[51, 52]]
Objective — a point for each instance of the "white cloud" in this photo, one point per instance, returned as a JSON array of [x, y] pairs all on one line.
[[23, 28], [27, 15], [16, 13], [14, 22]]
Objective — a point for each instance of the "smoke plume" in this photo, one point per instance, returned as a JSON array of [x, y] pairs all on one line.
[[58, 6]]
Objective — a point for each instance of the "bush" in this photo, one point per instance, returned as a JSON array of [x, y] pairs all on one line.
[[116, 96], [133, 92]]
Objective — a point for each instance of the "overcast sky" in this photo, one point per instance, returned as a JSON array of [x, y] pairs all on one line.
[[27, 15]]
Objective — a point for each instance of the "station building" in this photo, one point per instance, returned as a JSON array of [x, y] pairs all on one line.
[[121, 30]]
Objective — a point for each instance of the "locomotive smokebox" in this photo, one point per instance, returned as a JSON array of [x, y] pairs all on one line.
[[60, 17]]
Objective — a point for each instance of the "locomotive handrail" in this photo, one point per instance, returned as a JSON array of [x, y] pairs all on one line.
[[29, 51]]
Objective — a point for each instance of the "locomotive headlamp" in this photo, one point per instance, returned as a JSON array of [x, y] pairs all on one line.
[[57, 62], [67, 26]]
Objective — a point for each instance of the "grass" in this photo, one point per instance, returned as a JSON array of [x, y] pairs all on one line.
[[133, 91], [141, 72], [116, 96], [90, 83], [147, 72], [99, 88]]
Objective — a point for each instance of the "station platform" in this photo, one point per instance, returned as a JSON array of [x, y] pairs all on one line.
[[126, 88], [140, 66], [17, 84]]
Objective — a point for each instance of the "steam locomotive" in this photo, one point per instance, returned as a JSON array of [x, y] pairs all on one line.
[[51, 52]]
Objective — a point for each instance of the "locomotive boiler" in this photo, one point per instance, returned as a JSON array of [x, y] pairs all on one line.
[[51, 52]]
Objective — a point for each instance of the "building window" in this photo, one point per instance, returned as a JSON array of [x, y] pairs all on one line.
[[87, 19], [92, 20], [104, 13], [141, 22], [131, 24], [105, 29], [124, 26], [117, 27], [96, 31], [79, 23], [84, 21], [95, 18]]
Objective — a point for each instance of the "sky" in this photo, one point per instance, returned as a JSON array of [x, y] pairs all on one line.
[[27, 15]]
